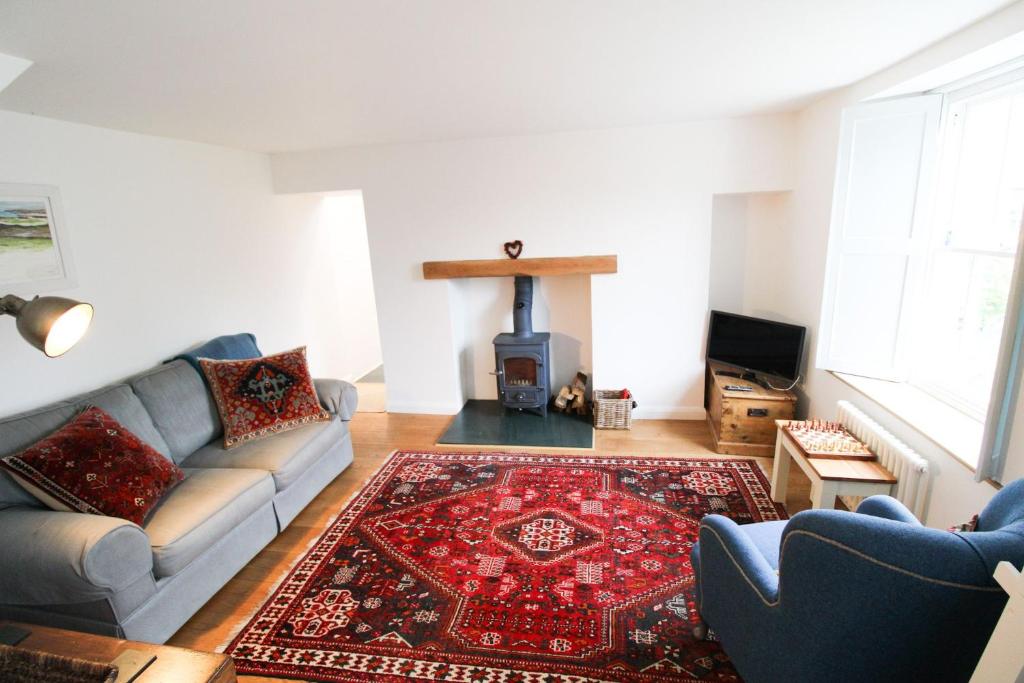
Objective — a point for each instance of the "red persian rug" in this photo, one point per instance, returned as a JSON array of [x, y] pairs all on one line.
[[507, 568]]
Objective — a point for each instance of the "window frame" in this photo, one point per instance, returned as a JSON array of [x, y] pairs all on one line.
[[955, 96]]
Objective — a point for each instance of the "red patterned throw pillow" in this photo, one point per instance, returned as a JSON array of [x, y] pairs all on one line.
[[93, 464], [262, 396]]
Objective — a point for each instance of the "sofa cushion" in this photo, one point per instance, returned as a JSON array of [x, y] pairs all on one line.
[[181, 406], [93, 464], [262, 396], [286, 455], [20, 431], [200, 511]]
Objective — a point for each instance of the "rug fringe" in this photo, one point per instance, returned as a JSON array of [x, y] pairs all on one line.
[[243, 621]]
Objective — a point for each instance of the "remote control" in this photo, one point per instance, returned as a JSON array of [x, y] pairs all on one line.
[[737, 387]]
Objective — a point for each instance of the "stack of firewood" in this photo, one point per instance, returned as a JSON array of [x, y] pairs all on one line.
[[571, 397]]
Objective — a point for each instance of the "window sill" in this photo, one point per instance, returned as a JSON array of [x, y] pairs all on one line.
[[953, 431]]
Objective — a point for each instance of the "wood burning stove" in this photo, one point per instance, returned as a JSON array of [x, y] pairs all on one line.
[[522, 358]]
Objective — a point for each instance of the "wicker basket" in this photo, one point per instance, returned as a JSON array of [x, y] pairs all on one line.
[[611, 411]]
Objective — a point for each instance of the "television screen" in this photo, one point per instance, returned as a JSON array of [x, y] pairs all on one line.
[[764, 346]]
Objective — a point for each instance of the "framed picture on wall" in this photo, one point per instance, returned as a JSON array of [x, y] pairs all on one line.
[[35, 253]]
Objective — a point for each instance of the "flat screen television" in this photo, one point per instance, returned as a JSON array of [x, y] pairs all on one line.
[[758, 345]]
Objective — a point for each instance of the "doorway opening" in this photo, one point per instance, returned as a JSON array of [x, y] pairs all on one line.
[[352, 333]]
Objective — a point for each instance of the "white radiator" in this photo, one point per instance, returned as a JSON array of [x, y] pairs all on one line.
[[909, 468]]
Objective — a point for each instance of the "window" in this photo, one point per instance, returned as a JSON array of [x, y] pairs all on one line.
[[973, 234], [926, 221]]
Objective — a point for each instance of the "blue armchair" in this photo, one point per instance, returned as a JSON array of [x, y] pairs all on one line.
[[866, 596]]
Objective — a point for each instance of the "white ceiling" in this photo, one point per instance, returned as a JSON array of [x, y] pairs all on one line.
[[298, 74]]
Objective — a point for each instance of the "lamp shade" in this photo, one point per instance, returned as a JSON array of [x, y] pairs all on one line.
[[52, 324]]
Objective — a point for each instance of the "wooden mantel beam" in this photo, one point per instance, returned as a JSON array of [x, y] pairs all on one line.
[[559, 265]]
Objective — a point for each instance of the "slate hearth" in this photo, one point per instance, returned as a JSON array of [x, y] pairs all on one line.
[[487, 423]]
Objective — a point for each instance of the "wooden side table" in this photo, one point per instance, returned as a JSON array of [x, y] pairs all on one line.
[[830, 477], [172, 665]]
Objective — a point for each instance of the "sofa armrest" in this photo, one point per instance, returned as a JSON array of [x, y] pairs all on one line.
[[54, 557], [887, 507], [723, 539], [338, 397]]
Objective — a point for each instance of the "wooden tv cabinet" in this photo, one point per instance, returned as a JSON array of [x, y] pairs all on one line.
[[743, 422]]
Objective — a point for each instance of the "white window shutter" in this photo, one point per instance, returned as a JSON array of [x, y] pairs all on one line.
[[877, 239]]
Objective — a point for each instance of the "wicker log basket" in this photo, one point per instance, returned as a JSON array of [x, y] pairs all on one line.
[[611, 411]]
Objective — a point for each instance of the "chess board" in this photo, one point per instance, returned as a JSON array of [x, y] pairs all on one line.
[[822, 439]]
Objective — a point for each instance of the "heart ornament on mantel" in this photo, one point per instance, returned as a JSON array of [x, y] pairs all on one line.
[[514, 249]]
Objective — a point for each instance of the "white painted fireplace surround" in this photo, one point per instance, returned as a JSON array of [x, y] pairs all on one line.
[[642, 193]]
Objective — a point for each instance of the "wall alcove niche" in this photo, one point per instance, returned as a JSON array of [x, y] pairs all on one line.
[[749, 236], [750, 239]]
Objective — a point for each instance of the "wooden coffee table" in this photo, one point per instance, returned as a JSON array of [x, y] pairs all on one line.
[[830, 476], [172, 665]]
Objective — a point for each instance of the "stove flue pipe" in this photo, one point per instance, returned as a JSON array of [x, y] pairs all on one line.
[[522, 309]]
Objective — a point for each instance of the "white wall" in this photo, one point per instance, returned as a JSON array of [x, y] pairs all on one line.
[[769, 239], [728, 275], [801, 262], [642, 193], [174, 243]]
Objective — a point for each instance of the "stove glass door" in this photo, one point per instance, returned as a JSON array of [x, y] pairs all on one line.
[[520, 372]]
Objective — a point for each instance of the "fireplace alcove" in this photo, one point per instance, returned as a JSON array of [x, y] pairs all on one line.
[[520, 366]]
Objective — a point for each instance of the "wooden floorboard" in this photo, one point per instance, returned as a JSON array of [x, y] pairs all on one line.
[[374, 436]]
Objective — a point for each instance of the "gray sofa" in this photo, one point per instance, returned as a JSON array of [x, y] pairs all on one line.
[[109, 576]]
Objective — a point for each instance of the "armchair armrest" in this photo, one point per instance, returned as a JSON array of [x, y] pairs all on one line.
[[722, 541], [65, 557], [338, 397], [887, 507]]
